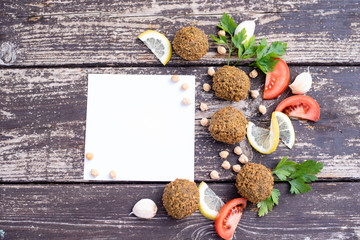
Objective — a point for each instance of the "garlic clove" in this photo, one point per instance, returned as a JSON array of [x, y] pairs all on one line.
[[302, 83], [249, 27], [145, 208]]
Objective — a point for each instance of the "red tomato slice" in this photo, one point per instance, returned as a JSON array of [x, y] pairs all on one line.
[[300, 106], [277, 81], [228, 217]]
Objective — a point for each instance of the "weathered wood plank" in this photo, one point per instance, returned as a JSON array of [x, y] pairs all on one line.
[[101, 211], [105, 32], [42, 123]]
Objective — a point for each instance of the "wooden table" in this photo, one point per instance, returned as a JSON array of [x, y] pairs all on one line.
[[48, 47]]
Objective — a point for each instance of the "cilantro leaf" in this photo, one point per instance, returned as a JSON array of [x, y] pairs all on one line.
[[221, 40], [249, 48], [227, 24], [278, 48], [307, 170], [267, 205], [239, 38], [298, 186]]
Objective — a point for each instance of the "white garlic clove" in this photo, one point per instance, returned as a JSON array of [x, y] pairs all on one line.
[[249, 28], [302, 83], [145, 208]]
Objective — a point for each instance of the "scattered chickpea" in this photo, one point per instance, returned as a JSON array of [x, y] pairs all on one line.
[[253, 74], [243, 159], [175, 78], [221, 33], [214, 174], [224, 154], [94, 173], [184, 86], [236, 168], [206, 87], [112, 174], [204, 122], [262, 109], [221, 50], [237, 150], [203, 107], [186, 101], [89, 156], [254, 93], [226, 165], [211, 71]]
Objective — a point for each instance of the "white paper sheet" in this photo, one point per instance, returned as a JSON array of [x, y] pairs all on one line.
[[137, 126]]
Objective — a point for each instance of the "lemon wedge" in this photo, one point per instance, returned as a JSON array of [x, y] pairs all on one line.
[[210, 203], [263, 140], [158, 44], [286, 129]]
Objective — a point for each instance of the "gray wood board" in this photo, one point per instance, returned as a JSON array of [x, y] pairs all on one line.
[[43, 118], [101, 211], [53, 33]]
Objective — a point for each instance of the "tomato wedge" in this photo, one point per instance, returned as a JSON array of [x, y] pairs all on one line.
[[277, 81], [300, 106], [228, 217]]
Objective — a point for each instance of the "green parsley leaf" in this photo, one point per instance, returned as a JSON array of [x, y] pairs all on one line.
[[239, 38], [307, 170], [298, 186], [267, 205], [227, 24], [221, 40], [249, 48]]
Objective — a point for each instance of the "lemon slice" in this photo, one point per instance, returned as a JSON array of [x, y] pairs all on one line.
[[263, 140], [210, 203], [158, 44], [286, 129]]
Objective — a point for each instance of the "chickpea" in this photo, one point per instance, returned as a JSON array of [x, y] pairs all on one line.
[[203, 107], [211, 71], [214, 174], [224, 154], [204, 122], [221, 50], [221, 33], [186, 101], [206, 87], [237, 150], [243, 159], [112, 174], [236, 168], [89, 156], [226, 165], [254, 93], [262, 109], [94, 173], [253, 74], [184, 86], [175, 78]]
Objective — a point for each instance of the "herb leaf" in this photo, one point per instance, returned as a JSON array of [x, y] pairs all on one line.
[[267, 205], [307, 171], [239, 38], [298, 186], [221, 40], [227, 24]]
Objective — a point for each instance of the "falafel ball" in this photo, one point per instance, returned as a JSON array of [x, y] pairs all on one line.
[[190, 43], [181, 198], [255, 182], [231, 83], [228, 125]]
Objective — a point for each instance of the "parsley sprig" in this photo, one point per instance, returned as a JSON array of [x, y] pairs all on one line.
[[298, 175], [265, 56]]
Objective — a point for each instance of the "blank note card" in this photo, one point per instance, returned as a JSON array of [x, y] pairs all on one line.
[[137, 126]]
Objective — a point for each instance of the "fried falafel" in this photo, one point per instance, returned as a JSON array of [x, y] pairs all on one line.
[[231, 83], [254, 182], [191, 43], [228, 125], [181, 198]]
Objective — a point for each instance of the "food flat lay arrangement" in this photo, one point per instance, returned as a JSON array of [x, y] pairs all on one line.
[[179, 120]]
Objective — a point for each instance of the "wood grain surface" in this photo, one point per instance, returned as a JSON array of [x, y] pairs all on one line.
[[43, 116], [101, 211], [94, 33]]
